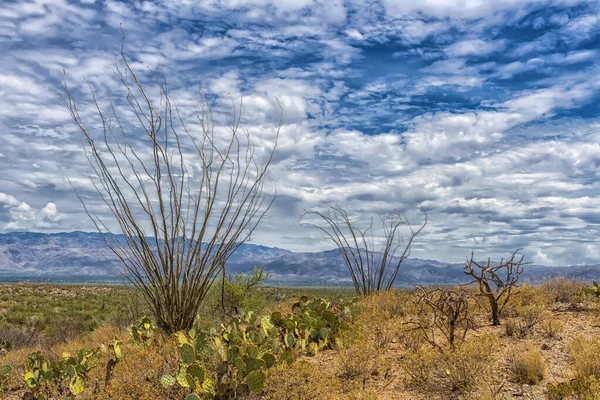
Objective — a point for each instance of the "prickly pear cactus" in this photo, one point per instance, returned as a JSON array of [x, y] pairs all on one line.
[[241, 351], [76, 385], [256, 381], [42, 374], [188, 354], [594, 289], [5, 370], [168, 381], [142, 331]]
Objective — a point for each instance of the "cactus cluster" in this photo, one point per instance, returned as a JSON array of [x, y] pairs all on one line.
[[594, 289], [142, 331], [232, 360], [42, 375], [311, 327], [580, 388]]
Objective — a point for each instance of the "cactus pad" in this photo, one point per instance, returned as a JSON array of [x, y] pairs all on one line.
[[168, 381], [256, 381]]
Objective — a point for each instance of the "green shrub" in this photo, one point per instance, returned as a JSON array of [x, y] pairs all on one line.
[[239, 293]]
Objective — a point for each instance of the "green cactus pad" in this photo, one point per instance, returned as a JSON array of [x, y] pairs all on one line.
[[289, 340], [324, 333], [5, 370], [196, 371], [269, 359], [71, 371], [254, 365], [200, 342], [188, 355], [252, 351], [256, 381]]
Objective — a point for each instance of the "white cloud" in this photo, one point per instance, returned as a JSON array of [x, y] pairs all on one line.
[[384, 106], [474, 47]]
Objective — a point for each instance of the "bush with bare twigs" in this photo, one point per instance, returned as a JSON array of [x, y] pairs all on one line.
[[371, 269], [445, 311], [184, 193], [496, 281]]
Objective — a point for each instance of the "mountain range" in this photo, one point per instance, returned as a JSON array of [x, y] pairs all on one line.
[[84, 257]]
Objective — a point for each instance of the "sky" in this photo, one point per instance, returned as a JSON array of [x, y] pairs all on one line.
[[484, 112]]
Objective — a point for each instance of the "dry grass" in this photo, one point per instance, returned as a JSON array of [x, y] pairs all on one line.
[[552, 329], [301, 380], [584, 352], [525, 365], [383, 357]]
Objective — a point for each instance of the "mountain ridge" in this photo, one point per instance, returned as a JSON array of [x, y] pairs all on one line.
[[62, 255]]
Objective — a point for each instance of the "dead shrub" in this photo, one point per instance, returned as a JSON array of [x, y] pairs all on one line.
[[455, 370], [523, 326], [496, 281], [358, 360], [525, 365], [443, 311], [411, 340]]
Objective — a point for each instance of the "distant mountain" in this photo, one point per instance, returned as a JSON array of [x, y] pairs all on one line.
[[83, 257]]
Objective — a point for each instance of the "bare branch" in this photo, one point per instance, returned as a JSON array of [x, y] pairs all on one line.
[[184, 196], [371, 269]]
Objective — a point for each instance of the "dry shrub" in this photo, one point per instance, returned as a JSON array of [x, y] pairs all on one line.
[[527, 297], [470, 363], [584, 352], [525, 365], [420, 365], [552, 329], [137, 375], [531, 316], [411, 340], [16, 337], [388, 304], [301, 380], [379, 322], [561, 290], [359, 359], [452, 370], [445, 313]]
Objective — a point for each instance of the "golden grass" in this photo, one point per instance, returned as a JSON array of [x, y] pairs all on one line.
[[381, 356]]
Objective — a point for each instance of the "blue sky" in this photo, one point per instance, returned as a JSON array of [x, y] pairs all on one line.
[[485, 112]]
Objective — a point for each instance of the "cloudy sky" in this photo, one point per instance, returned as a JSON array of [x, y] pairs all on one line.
[[484, 112]]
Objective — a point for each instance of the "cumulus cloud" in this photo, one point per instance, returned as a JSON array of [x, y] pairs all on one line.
[[481, 111]]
